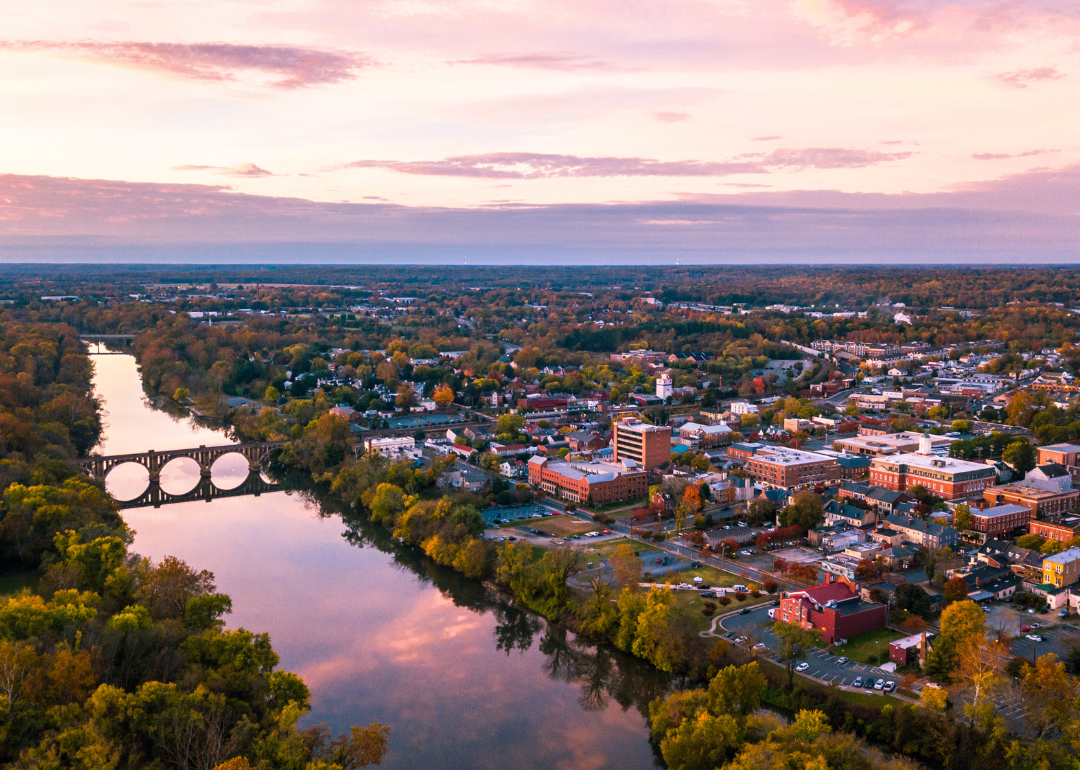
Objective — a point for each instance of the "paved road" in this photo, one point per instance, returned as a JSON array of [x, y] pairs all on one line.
[[823, 665]]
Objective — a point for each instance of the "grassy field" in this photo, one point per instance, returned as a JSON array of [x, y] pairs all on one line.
[[692, 601], [871, 643], [555, 525], [13, 582]]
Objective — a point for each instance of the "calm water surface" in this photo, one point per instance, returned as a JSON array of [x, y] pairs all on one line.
[[378, 632]]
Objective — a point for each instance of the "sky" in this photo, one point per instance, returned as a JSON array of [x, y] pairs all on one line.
[[521, 131]]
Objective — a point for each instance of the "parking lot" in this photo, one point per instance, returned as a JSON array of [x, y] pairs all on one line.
[[1059, 640], [822, 664]]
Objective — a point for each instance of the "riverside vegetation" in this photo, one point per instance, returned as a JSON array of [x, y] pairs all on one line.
[[107, 660]]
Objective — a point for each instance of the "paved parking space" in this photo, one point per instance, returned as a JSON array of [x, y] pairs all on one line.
[[1059, 640], [823, 665], [799, 555]]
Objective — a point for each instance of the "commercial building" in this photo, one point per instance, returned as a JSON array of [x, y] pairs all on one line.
[[391, 446], [698, 436], [1062, 569], [891, 444], [926, 534], [911, 650], [835, 609], [1041, 502], [1060, 528], [1064, 454], [791, 468], [742, 408], [1001, 520], [947, 478], [589, 483], [645, 444]]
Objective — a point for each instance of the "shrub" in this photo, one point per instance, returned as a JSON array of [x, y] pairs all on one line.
[[740, 595]]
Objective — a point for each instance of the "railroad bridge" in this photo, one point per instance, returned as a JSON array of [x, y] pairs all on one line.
[[99, 466]]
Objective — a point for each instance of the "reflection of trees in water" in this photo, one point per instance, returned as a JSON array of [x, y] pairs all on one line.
[[603, 673]]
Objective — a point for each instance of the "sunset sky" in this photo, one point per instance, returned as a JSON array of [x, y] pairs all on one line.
[[595, 130]]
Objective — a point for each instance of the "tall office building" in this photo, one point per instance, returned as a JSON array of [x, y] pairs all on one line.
[[647, 445]]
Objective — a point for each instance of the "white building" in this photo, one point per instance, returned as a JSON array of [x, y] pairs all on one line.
[[663, 386], [393, 447], [742, 407]]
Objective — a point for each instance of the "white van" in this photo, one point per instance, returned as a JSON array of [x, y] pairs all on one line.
[[772, 614], [739, 587]]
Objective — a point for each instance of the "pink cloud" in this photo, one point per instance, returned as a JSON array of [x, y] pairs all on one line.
[[249, 170], [545, 61], [771, 138], [1021, 78], [292, 67], [671, 117], [527, 165], [1003, 156], [1017, 218]]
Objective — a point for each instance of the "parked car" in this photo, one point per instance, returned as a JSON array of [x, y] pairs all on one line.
[[857, 682], [802, 666], [1034, 637], [1024, 629], [879, 684], [707, 594], [868, 683], [740, 640], [760, 646], [744, 611], [841, 660], [1064, 613], [889, 686], [729, 635]]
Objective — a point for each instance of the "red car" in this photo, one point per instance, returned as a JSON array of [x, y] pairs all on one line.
[[1024, 629]]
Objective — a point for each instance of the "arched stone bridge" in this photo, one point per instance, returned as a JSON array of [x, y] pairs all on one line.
[[155, 496], [99, 466]]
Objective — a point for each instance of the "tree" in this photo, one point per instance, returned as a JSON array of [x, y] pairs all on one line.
[[702, 742], [1031, 541], [1021, 456], [961, 620], [955, 589], [181, 395], [271, 395], [793, 642], [1021, 409], [626, 567], [935, 698], [961, 520], [981, 666], [444, 396], [760, 511], [866, 569], [804, 512], [737, 691], [692, 497], [406, 396], [1051, 696], [912, 598]]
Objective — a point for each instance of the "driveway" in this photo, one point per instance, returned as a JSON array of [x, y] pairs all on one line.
[[823, 664]]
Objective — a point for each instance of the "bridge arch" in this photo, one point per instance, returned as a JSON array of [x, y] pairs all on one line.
[[179, 475], [231, 469], [125, 481]]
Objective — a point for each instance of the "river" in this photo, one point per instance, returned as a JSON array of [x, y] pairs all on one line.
[[378, 632]]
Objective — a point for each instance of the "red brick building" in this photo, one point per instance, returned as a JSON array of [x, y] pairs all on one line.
[[835, 609], [1000, 521], [945, 477], [589, 483], [645, 444], [1041, 502], [1061, 528], [791, 468]]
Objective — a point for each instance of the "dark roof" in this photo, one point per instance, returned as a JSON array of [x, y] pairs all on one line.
[[1053, 470], [886, 496]]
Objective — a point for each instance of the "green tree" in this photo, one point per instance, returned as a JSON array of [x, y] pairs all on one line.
[[702, 742], [805, 512], [736, 691], [961, 518], [1021, 456], [625, 566], [793, 643]]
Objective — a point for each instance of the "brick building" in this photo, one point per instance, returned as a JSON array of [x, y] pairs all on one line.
[[1065, 454], [589, 483], [1060, 528], [945, 477], [791, 468], [835, 609], [1042, 502], [645, 444], [1001, 520]]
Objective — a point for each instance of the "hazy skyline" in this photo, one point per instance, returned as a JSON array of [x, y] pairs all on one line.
[[709, 130]]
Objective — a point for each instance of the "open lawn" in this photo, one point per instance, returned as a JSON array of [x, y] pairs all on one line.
[[605, 548], [692, 601], [555, 525], [874, 643]]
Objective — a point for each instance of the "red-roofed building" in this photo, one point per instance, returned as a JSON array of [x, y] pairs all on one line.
[[835, 609]]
